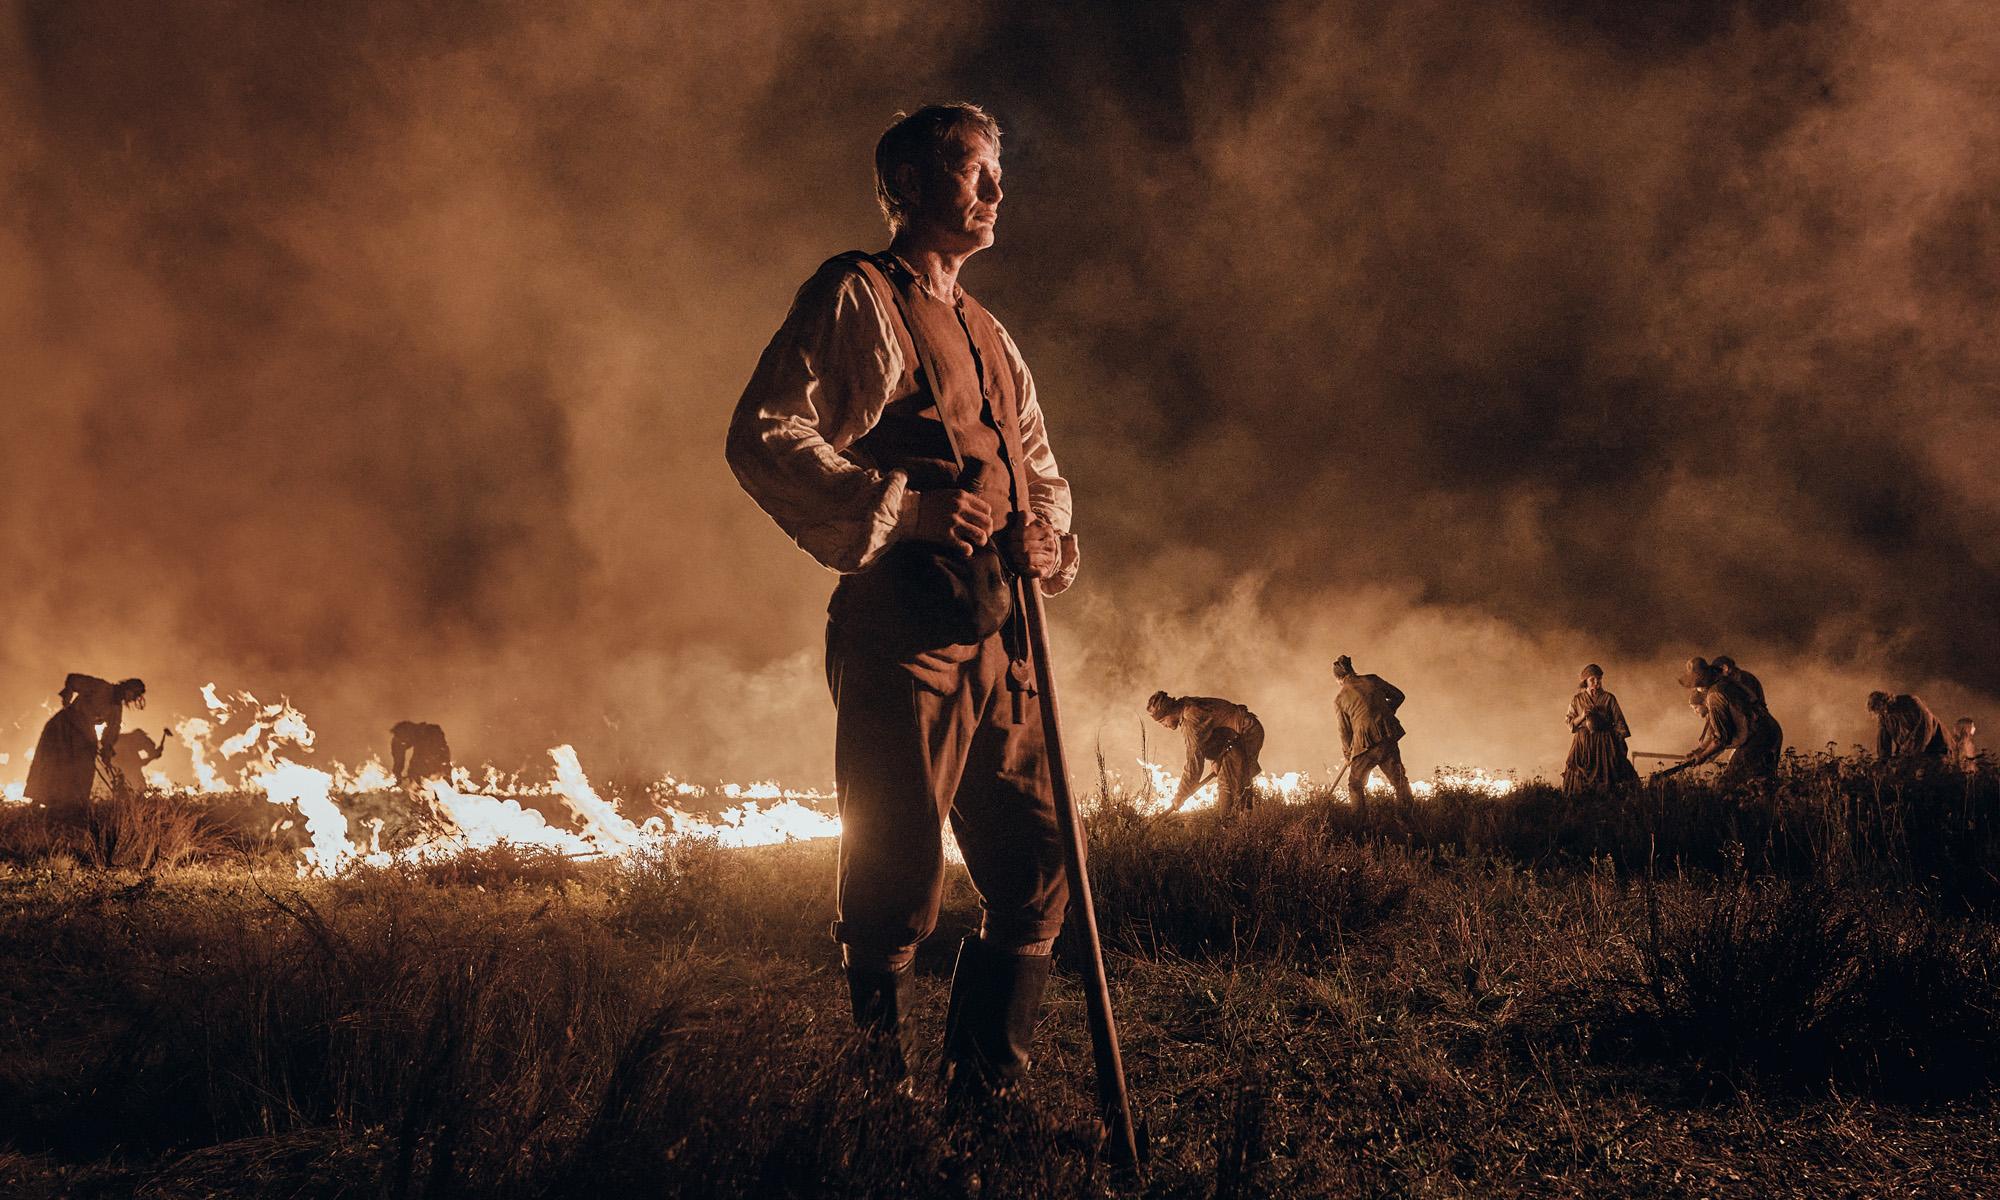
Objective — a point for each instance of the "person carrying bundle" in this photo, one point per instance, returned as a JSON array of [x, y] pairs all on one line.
[[1597, 757]]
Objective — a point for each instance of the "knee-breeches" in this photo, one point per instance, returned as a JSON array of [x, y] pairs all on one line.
[[914, 748]]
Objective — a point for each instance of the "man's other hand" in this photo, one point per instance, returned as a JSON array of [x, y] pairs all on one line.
[[1031, 549], [954, 518]]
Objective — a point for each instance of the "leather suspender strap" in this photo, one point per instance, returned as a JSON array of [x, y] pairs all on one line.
[[927, 374]]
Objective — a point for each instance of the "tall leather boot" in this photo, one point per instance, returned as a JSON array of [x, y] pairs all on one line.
[[881, 1000], [995, 997]]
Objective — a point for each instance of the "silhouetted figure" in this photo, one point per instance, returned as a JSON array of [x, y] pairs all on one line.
[[1370, 733], [67, 753], [1598, 760], [1732, 720], [417, 751], [1905, 727], [1222, 732], [1964, 743], [131, 756], [883, 369], [1751, 685]]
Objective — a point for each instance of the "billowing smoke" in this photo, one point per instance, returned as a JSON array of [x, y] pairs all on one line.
[[381, 356]]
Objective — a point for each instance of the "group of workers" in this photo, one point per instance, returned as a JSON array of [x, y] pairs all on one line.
[[1736, 718], [1223, 738], [85, 743]]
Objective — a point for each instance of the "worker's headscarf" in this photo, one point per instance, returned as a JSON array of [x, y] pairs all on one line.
[[1877, 701], [1159, 704], [1343, 667]]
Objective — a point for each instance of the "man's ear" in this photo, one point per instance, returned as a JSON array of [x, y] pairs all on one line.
[[909, 183]]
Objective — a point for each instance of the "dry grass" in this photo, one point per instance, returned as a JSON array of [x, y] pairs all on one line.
[[1672, 993]]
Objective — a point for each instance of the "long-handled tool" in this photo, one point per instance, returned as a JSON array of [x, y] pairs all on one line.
[[1115, 1105], [1188, 795]]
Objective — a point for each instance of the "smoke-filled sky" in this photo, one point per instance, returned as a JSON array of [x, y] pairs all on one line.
[[381, 354]]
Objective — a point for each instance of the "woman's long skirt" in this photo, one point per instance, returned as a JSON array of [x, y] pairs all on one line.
[[1597, 762], [64, 764]]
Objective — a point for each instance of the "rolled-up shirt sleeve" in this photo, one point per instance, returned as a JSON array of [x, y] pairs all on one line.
[[1048, 491], [820, 384]]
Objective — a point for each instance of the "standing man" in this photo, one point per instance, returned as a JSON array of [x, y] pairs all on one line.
[[1905, 727], [1369, 731], [1222, 732], [892, 429]]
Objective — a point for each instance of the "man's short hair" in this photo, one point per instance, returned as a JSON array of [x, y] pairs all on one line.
[[920, 139]]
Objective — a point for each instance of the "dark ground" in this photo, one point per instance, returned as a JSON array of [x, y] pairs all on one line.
[[1674, 993]]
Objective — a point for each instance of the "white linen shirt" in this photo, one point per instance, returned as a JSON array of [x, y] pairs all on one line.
[[838, 360]]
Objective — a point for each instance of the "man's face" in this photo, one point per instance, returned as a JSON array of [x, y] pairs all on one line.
[[958, 197]]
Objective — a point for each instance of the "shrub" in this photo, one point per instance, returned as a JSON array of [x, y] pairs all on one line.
[[1800, 982], [1272, 883]]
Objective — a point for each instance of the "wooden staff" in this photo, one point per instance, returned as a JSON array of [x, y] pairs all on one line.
[[1113, 1101]]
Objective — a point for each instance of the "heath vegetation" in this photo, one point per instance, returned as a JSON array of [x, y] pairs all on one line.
[[1670, 992]]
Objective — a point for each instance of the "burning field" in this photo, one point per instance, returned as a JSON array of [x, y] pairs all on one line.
[[292, 979], [242, 750], [386, 358]]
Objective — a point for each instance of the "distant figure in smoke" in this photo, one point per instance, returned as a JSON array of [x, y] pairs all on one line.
[[67, 753], [417, 751], [892, 429], [1905, 727], [1733, 720], [1597, 756], [1222, 732], [133, 753], [1370, 734], [1964, 745]]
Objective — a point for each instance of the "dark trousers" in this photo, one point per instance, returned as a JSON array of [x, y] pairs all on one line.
[[917, 743], [1757, 757], [1389, 757], [1236, 773]]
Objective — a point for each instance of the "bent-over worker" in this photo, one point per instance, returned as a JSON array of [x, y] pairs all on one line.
[[1217, 731]]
